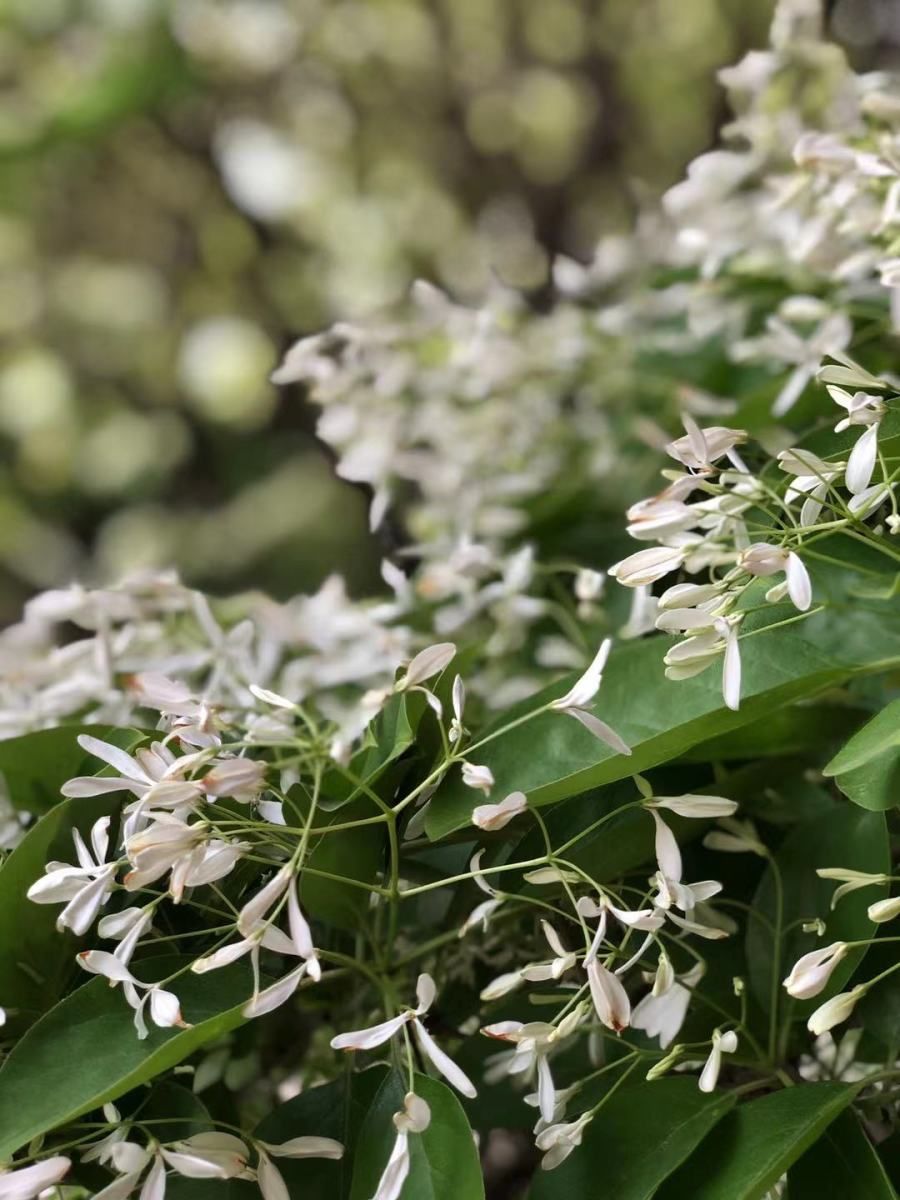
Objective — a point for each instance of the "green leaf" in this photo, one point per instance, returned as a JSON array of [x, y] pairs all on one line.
[[443, 1160], [661, 719], [785, 732], [36, 961], [867, 769], [36, 765], [336, 1110], [174, 1111], [879, 1010], [351, 853], [387, 739], [756, 1143], [674, 1113], [85, 1050], [876, 736], [845, 837], [842, 1162]]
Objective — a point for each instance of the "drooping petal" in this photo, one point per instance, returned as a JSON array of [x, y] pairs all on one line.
[[306, 1147], [426, 991], [276, 994], [861, 462], [100, 962], [610, 999], [368, 1039], [426, 664], [546, 1090], [27, 1182], [599, 729], [798, 581], [269, 1179], [113, 757], [668, 854], [443, 1062], [165, 1009]]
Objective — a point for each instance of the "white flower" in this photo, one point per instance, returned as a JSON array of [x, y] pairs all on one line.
[[482, 913], [426, 664], [558, 1141], [646, 566], [884, 910], [583, 692], [700, 448], [668, 855], [170, 844], [26, 1183], [376, 1035], [458, 699], [165, 1010], [610, 999], [502, 985], [811, 972], [557, 967], [589, 585], [762, 559], [308, 1146], [150, 774], [83, 889], [587, 685], [269, 1178], [212, 1155], [871, 498], [813, 477], [731, 666], [414, 1117], [479, 777], [658, 518], [694, 806], [495, 816], [861, 408], [722, 1043], [257, 907], [662, 1016], [861, 462], [735, 837], [848, 373], [241, 778], [835, 1010], [851, 881]]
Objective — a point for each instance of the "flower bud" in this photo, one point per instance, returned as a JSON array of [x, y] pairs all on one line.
[[835, 1010]]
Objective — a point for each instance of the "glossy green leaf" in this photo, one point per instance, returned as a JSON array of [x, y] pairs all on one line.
[[879, 1010], [876, 736], [444, 1162], [756, 1143], [787, 731], [336, 1110], [639, 1138], [36, 765], [85, 1050], [36, 961], [351, 854], [661, 719], [387, 739], [867, 769], [842, 1162], [845, 837]]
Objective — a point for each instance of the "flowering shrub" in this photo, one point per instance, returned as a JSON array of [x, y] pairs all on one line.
[[327, 897]]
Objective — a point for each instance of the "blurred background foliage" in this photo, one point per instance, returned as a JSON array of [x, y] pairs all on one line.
[[185, 187]]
